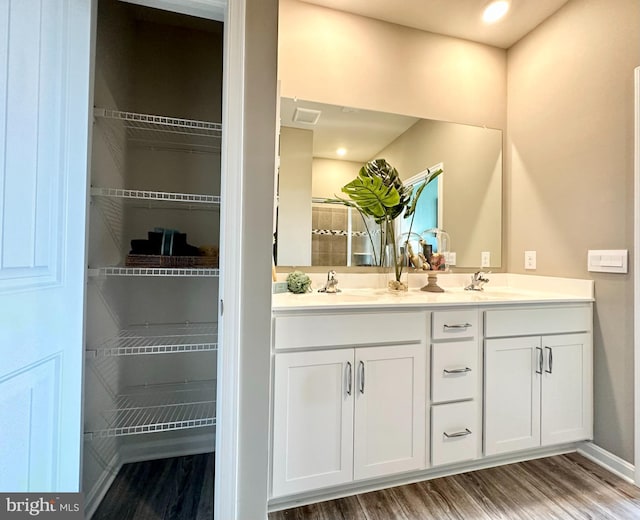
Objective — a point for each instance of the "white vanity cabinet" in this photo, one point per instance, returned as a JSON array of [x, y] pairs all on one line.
[[538, 388], [347, 411], [456, 402], [379, 392]]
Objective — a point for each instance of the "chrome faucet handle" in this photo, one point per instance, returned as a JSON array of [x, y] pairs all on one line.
[[332, 283], [478, 279]]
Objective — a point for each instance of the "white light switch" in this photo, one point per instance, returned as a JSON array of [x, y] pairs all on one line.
[[607, 260], [485, 259]]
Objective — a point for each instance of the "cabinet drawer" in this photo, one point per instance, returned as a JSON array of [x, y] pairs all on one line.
[[454, 437], [349, 329], [454, 324], [541, 320], [453, 371]]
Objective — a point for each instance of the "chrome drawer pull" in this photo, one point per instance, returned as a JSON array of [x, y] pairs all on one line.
[[458, 326], [540, 358], [349, 377], [457, 370], [361, 377], [550, 359], [464, 433]]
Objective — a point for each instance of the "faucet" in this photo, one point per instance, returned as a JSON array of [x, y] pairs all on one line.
[[478, 279], [332, 283]]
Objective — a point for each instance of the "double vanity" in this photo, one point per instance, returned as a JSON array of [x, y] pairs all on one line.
[[372, 389]]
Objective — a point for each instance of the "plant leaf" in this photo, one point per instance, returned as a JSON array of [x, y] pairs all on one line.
[[371, 195]]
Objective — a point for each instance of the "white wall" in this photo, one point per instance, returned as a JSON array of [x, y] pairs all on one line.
[[343, 59], [330, 175]]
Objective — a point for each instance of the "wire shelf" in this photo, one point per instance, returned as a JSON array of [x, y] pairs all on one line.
[[160, 339], [159, 408], [154, 271], [160, 199], [165, 132]]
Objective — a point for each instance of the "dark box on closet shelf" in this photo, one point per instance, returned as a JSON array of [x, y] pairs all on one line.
[[171, 261]]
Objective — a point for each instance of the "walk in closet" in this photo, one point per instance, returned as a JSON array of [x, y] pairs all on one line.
[[154, 238]]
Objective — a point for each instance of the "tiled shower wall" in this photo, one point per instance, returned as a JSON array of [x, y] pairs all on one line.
[[330, 235]]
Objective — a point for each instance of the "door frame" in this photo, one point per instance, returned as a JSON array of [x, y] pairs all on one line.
[[636, 279]]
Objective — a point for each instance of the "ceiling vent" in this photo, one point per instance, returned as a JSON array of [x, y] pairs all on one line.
[[308, 116]]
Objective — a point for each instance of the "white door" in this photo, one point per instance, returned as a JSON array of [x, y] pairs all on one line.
[[567, 389], [44, 119], [390, 409], [312, 420], [513, 369]]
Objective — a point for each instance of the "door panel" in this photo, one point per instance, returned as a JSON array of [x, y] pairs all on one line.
[[312, 420], [566, 389], [44, 119], [390, 410], [512, 394]]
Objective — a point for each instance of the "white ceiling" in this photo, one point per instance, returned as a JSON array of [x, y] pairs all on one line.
[[363, 133], [459, 18]]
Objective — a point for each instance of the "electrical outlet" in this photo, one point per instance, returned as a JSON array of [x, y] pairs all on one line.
[[485, 259], [450, 258], [530, 260]]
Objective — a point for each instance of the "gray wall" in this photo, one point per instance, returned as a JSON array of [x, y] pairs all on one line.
[[255, 290], [569, 181]]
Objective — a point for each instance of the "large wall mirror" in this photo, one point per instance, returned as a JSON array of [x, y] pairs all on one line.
[[322, 147]]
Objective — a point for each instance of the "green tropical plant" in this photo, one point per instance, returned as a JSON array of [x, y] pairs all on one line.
[[378, 192]]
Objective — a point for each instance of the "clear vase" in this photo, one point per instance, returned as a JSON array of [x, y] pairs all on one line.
[[395, 285]]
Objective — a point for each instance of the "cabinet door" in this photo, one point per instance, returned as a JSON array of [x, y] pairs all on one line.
[[390, 410], [312, 420], [512, 394], [567, 389]]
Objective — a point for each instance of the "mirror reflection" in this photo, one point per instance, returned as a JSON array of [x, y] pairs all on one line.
[[322, 147]]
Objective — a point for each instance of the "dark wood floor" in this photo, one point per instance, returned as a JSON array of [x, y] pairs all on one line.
[[562, 487], [180, 488]]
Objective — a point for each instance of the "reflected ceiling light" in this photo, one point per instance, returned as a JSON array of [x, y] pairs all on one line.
[[495, 11], [341, 152]]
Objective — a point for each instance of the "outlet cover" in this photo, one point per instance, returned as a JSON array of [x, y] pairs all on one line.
[[530, 260], [485, 259], [450, 258]]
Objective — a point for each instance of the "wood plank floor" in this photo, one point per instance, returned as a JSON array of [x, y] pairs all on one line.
[[561, 487], [179, 488]]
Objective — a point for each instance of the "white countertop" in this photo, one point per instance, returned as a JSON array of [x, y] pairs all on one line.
[[502, 289]]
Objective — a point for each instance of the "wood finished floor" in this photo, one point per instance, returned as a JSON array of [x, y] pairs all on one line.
[[179, 488], [561, 487]]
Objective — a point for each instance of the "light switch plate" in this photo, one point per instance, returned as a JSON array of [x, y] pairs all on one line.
[[608, 260], [530, 260], [485, 259]]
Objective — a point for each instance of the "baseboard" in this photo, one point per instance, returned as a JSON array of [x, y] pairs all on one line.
[[608, 460], [95, 495], [166, 448]]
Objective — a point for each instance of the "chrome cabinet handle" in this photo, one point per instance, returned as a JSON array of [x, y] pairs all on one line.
[[349, 377], [457, 370], [458, 326], [540, 356], [550, 370], [361, 377], [453, 435]]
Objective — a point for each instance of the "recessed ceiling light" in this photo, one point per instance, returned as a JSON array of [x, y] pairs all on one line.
[[495, 11], [341, 152]]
